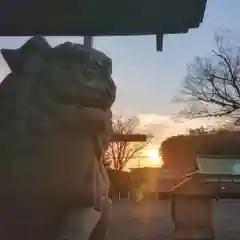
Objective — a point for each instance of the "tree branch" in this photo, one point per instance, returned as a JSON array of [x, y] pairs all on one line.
[[123, 151], [214, 81]]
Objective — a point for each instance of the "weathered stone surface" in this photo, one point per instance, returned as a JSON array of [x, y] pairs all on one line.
[[52, 83], [55, 123]]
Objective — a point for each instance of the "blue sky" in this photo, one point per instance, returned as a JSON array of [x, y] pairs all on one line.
[[147, 80]]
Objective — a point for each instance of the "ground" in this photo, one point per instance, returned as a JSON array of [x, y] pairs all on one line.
[[152, 220]]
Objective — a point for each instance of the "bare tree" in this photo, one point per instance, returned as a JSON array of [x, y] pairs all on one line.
[[107, 161], [212, 85], [121, 152]]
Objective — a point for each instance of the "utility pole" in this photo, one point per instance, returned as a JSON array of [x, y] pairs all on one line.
[[88, 44], [139, 162]]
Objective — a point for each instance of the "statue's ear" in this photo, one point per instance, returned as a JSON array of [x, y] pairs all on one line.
[[29, 57], [12, 58], [36, 44]]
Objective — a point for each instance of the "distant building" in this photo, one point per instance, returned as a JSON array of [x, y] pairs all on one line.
[[155, 180], [119, 183]]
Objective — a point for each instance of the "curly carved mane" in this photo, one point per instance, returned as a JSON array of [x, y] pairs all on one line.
[[48, 86]]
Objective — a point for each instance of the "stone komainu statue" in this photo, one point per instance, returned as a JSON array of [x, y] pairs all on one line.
[[55, 123]]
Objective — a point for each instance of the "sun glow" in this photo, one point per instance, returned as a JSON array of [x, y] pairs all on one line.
[[153, 155]]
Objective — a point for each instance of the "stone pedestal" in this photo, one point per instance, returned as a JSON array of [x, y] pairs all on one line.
[[192, 217], [191, 209]]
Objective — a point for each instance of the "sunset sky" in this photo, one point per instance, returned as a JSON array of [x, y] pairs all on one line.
[[147, 80]]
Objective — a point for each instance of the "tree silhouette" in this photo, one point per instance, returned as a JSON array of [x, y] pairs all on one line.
[[212, 85], [180, 152], [120, 153]]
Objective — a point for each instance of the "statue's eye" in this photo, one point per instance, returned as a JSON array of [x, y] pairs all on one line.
[[106, 66], [100, 63]]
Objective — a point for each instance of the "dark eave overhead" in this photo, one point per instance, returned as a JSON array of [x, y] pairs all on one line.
[[99, 17]]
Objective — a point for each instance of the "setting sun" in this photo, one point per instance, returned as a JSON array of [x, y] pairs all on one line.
[[153, 155]]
